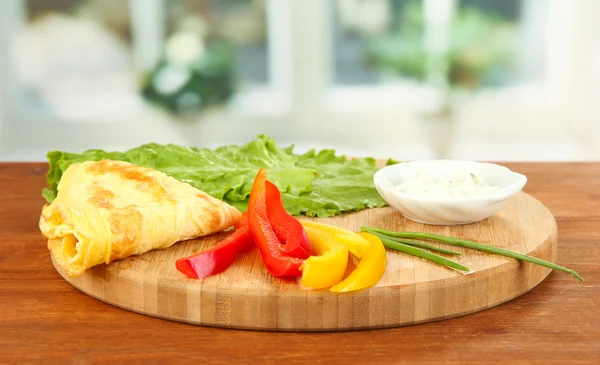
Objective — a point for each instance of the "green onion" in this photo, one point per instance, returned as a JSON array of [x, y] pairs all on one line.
[[414, 251], [472, 245], [424, 245]]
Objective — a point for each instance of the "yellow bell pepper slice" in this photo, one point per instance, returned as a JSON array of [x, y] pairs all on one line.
[[355, 243], [370, 269], [328, 267]]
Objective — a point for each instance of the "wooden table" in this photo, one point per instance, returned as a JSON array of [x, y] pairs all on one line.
[[45, 320]]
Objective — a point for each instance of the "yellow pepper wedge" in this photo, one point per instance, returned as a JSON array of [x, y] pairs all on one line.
[[355, 243], [328, 267], [370, 269]]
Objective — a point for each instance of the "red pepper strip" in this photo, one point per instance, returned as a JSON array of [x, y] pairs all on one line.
[[218, 258], [277, 263], [243, 221], [288, 229]]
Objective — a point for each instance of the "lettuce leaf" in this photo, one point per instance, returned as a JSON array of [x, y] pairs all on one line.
[[316, 183]]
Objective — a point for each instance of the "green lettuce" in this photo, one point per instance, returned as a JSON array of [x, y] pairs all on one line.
[[316, 183]]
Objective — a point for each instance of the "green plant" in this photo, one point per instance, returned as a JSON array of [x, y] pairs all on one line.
[[480, 48], [190, 82]]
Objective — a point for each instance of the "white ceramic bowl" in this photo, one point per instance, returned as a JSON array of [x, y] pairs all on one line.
[[448, 211]]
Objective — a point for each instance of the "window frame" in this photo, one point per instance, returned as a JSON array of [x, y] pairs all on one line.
[[410, 96]]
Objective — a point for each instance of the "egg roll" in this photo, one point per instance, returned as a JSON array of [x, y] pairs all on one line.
[[109, 210]]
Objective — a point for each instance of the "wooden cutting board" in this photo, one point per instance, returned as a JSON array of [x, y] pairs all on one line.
[[412, 290]]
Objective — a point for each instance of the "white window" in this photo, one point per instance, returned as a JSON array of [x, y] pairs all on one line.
[[315, 73]]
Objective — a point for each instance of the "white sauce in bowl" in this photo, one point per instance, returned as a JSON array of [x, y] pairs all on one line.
[[456, 185]]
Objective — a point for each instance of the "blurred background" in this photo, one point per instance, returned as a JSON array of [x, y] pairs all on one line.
[[504, 80]]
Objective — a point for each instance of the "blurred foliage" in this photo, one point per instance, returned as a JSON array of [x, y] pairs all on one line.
[[207, 80], [480, 50]]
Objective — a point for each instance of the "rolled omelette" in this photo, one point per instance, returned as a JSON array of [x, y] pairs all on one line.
[[109, 210]]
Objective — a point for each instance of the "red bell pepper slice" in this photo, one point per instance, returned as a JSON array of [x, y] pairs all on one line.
[[288, 229], [276, 262], [218, 258]]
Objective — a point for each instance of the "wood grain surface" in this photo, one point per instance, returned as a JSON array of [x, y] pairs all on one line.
[[46, 320], [411, 291]]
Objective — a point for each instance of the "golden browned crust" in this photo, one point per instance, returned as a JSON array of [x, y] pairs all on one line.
[[131, 172], [215, 217], [124, 223]]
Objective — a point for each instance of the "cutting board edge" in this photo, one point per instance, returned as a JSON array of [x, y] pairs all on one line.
[[120, 306]]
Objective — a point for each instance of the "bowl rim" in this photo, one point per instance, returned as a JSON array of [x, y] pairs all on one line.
[[500, 194]]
